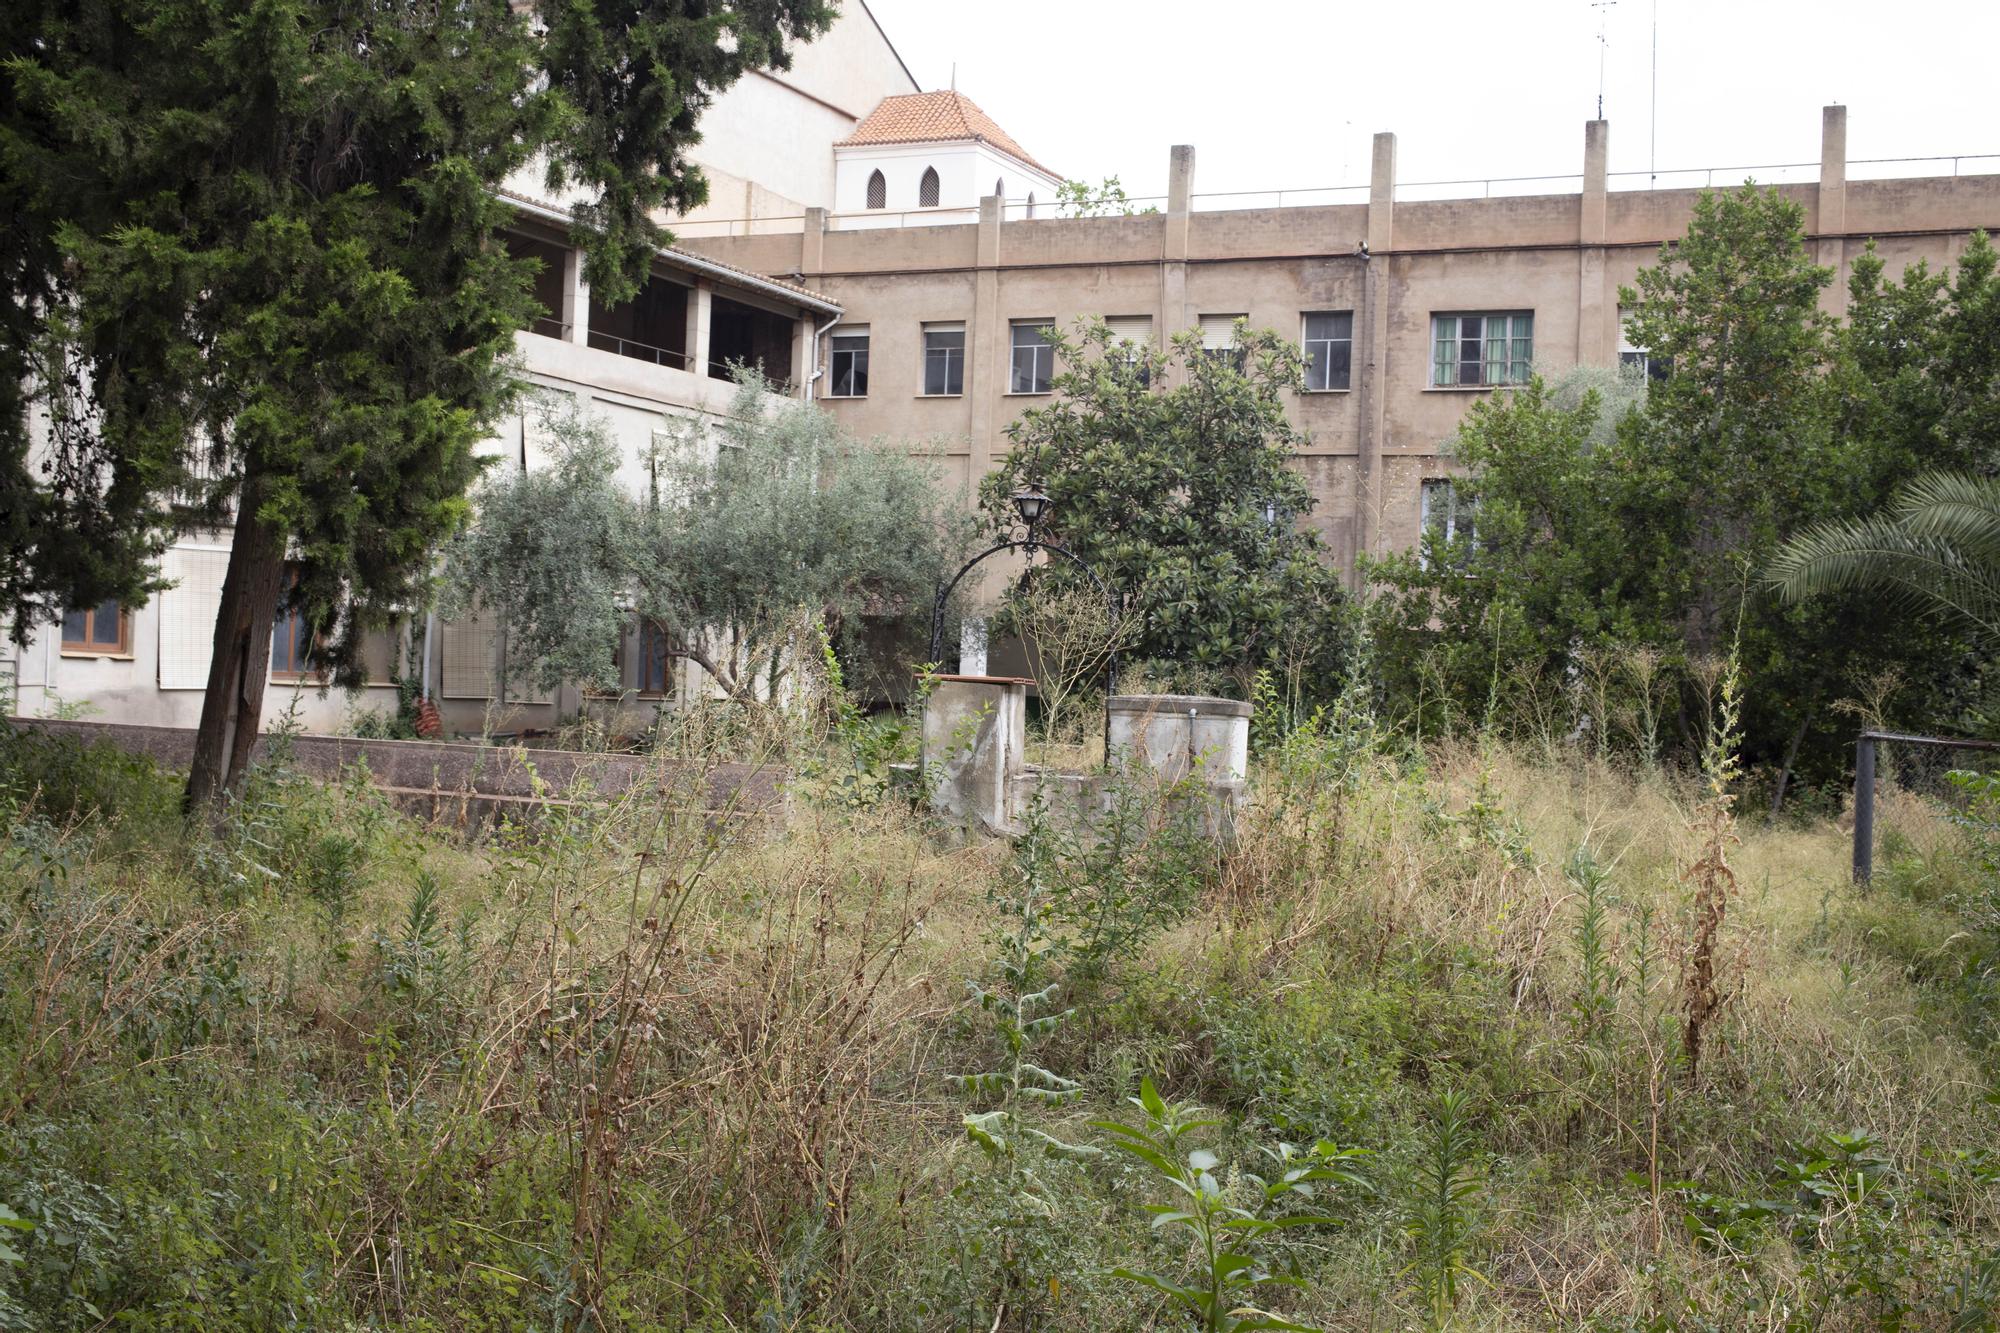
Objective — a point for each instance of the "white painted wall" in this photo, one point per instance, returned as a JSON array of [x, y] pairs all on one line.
[[967, 172], [767, 143]]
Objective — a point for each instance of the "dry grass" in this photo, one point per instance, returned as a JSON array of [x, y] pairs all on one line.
[[711, 1071]]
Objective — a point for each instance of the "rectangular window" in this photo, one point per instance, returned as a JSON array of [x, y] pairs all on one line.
[[1484, 349], [1329, 347], [1034, 358], [658, 654], [850, 363], [944, 359], [1445, 517], [103, 630], [1634, 357], [1130, 328], [291, 637], [1130, 336], [1218, 338]]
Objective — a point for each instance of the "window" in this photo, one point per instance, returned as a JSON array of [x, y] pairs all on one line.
[[927, 189], [291, 637], [1329, 346], [1445, 518], [1218, 338], [658, 654], [878, 190], [1034, 358], [850, 363], [1031, 203], [103, 630], [1000, 189], [1482, 349], [1129, 336], [944, 359], [1632, 355]]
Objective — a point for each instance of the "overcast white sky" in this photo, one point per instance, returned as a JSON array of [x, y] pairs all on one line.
[[1286, 94]]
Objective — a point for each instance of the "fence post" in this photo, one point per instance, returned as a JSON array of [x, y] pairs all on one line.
[[1864, 808]]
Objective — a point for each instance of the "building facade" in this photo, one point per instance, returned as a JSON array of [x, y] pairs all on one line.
[[890, 254], [1408, 309]]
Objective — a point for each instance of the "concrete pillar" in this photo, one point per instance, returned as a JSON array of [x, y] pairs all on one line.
[[1596, 342], [812, 245], [985, 339], [803, 357], [1832, 171], [700, 313], [575, 313], [1831, 212], [1382, 194], [1365, 520], [972, 643], [1174, 313], [975, 742]]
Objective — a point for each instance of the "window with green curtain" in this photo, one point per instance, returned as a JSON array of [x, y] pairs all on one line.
[[1523, 360], [1444, 349], [1493, 369]]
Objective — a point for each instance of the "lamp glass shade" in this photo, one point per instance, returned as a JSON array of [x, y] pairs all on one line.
[[1031, 505]]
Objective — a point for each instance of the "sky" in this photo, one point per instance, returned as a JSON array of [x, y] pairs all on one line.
[[1279, 94]]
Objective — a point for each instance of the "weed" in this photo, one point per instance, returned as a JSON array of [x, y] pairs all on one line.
[[1228, 1240]]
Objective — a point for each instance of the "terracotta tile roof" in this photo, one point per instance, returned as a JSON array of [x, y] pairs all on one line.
[[945, 117]]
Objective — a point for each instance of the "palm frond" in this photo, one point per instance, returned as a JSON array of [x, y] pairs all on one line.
[[1959, 509], [1887, 554]]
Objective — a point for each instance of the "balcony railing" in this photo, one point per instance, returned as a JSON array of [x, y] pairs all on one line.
[[638, 351]]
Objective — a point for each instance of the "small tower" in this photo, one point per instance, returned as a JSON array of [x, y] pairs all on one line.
[[936, 150]]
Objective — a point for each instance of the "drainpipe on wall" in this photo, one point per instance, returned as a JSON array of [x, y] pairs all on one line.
[[812, 356]]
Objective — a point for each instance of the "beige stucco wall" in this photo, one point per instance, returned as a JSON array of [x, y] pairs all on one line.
[[1563, 257], [767, 143]]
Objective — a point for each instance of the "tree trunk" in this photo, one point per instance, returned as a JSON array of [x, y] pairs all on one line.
[[1785, 769], [232, 709]]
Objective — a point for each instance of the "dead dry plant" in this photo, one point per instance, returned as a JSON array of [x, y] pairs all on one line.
[[1704, 991]]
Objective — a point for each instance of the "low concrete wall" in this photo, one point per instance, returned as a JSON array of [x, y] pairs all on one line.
[[1173, 734], [458, 783]]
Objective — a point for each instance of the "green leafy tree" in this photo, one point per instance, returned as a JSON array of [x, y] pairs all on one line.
[[254, 254], [1081, 199], [550, 557], [1602, 529], [1168, 472], [779, 514], [785, 511]]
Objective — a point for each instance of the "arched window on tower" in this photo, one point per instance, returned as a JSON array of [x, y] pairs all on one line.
[[927, 189], [1000, 188], [878, 191], [1031, 203]]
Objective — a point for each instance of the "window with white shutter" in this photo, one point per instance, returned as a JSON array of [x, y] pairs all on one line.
[[467, 652], [1218, 337], [187, 614], [1130, 328]]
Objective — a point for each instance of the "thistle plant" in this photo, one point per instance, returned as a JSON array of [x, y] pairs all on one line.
[[1597, 993], [1021, 1009], [1225, 1237], [1438, 1214]]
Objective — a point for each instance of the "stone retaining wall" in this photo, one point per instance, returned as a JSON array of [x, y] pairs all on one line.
[[455, 782]]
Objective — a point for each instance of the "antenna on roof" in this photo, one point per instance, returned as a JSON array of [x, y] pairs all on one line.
[[1603, 8], [1653, 112], [954, 76]]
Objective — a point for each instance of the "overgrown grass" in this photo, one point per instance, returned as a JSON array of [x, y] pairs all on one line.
[[640, 1068]]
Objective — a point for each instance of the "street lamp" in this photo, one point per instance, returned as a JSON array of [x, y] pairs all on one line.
[[1031, 505]]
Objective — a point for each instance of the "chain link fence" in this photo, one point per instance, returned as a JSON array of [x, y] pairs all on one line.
[[1905, 798]]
